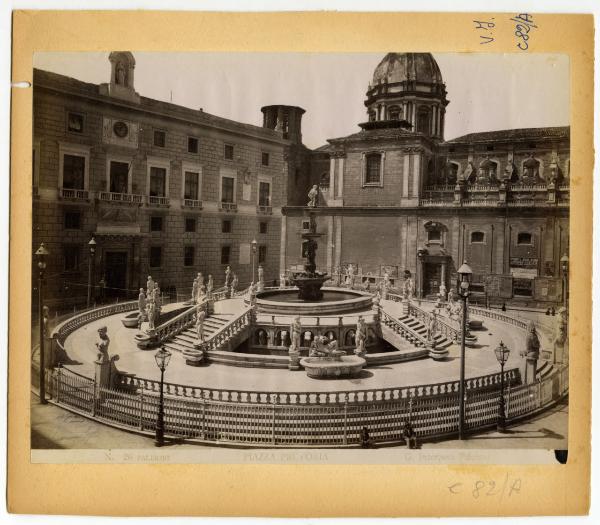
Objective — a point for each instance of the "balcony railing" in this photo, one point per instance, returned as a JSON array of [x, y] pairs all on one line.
[[192, 203], [70, 193], [129, 198], [264, 210], [528, 187], [158, 201], [440, 187], [228, 206]]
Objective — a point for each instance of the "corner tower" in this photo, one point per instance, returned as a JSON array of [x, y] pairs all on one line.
[[287, 119], [407, 91]]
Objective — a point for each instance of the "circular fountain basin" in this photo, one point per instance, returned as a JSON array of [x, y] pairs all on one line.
[[334, 301], [324, 367]]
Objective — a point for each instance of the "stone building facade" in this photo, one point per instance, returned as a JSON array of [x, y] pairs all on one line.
[[171, 191], [163, 190], [395, 196]]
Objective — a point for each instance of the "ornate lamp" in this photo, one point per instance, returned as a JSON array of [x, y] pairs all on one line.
[[254, 248], [162, 358], [564, 266], [41, 254], [502, 352], [92, 245], [464, 278]]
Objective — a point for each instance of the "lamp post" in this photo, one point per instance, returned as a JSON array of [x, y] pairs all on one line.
[[162, 358], [502, 352], [41, 254], [464, 278], [92, 245], [564, 265], [254, 248]]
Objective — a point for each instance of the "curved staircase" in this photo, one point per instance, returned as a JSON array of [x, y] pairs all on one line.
[[185, 340]]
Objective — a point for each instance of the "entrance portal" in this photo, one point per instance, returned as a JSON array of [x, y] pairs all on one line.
[[432, 278], [115, 272]]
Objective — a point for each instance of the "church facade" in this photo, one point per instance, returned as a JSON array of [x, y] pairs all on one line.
[[397, 197], [170, 191]]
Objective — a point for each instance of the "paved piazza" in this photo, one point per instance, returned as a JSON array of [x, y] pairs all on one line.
[[480, 360]]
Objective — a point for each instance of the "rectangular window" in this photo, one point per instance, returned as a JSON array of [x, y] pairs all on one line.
[[190, 225], [262, 254], [264, 194], [156, 224], [265, 159], [190, 188], [373, 175], [158, 180], [188, 256], [226, 227], [225, 254], [228, 153], [160, 138], [74, 122], [119, 177], [71, 258], [155, 256], [524, 238], [73, 172], [192, 145], [227, 186], [72, 220], [434, 235], [262, 227]]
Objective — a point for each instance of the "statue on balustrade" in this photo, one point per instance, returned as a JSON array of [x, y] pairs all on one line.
[[142, 302], [350, 276], [366, 285], [227, 276], [200, 316], [313, 196], [252, 294], [282, 281], [201, 295], [443, 292], [338, 276], [102, 345], [210, 285], [432, 327], [261, 278], [561, 333], [360, 337], [531, 353], [151, 314], [296, 331], [408, 289], [149, 286], [470, 175], [200, 278], [195, 291], [156, 294]]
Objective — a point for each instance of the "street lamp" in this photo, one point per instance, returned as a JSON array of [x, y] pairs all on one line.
[[254, 248], [162, 358], [92, 245], [464, 278], [41, 254], [502, 352], [564, 265]]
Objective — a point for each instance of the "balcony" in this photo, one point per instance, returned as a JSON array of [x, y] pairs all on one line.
[[158, 201], [75, 194], [264, 210], [228, 206], [192, 203], [126, 198]]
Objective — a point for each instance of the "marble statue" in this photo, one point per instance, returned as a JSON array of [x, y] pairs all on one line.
[[149, 286], [120, 74], [142, 301], [376, 300], [296, 331], [200, 316], [234, 284], [443, 292], [531, 353], [261, 278], [322, 347], [451, 296], [209, 285], [350, 276], [151, 314], [431, 327], [313, 196], [338, 276], [157, 298], [361, 337], [102, 345], [561, 333], [367, 285], [252, 293], [195, 291], [282, 281], [227, 276], [200, 278]]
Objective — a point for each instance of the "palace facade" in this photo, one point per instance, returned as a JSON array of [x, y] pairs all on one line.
[[170, 191]]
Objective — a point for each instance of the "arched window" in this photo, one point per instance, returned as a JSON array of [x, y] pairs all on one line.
[[260, 338], [394, 113], [477, 237], [524, 238], [350, 338], [423, 121]]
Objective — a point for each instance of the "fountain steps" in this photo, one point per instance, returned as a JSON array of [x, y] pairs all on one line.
[[415, 324]]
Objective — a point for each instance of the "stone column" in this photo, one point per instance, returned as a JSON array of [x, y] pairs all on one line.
[[332, 182], [283, 245], [443, 279]]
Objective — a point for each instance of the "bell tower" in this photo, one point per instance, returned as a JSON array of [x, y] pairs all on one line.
[[122, 66], [287, 119]]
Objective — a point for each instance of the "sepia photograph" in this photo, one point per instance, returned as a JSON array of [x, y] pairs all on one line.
[[316, 251]]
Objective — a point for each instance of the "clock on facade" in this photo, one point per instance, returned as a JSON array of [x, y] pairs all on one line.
[[121, 129]]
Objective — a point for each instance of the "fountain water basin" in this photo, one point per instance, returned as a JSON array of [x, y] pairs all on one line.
[[333, 367]]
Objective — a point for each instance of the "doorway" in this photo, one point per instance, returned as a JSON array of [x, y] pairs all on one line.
[[115, 274], [432, 278]]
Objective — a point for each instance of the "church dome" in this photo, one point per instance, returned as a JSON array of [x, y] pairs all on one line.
[[401, 67]]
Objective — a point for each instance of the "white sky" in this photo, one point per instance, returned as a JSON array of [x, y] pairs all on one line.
[[486, 91]]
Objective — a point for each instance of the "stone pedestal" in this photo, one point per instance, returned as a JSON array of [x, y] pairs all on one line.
[[437, 354], [197, 356], [530, 370], [146, 340], [101, 379], [294, 359]]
